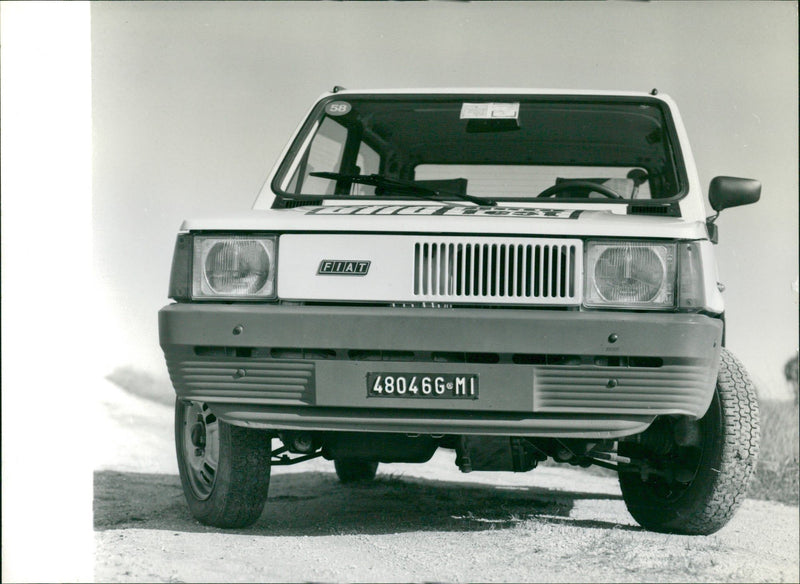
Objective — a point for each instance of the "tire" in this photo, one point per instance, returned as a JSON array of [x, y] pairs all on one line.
[[350, 470], [224, 469], [721, 464]]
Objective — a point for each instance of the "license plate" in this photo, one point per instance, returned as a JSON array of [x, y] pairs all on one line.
[[423, 385]]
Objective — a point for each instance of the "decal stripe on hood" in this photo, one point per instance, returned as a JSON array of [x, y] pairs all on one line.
[[458, 210]]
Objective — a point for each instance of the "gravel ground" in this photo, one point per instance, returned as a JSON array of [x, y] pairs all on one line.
[[414, 523]]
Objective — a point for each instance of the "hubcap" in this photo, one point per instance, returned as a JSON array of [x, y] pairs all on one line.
[[199, 434], [199, 440]]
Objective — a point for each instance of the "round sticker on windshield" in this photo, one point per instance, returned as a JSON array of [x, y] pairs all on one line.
[[337, 108]]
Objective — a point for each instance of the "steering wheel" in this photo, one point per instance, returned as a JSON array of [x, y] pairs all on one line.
[[579, 184]]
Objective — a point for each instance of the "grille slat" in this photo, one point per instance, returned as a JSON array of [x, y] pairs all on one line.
[[513, 270], [558, 287]]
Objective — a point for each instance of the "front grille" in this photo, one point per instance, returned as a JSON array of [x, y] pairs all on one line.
[[546, 271], [434, 270]]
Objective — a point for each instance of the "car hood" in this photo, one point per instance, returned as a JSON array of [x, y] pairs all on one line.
[[454, 219]]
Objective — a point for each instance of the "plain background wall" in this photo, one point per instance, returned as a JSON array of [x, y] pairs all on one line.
[[192, 103], [48, 337]]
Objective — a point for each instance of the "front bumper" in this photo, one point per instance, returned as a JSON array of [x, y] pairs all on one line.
[[541, 372]]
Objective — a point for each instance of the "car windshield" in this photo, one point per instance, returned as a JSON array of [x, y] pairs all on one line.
[[499, 147]]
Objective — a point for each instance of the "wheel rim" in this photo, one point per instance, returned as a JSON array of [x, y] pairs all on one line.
[[199, 439], [685, 462], [684, 468]]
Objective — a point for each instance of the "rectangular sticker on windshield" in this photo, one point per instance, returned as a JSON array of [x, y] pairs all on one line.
[[489, 111]]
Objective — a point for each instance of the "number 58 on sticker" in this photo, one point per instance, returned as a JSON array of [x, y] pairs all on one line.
[[338, 108]]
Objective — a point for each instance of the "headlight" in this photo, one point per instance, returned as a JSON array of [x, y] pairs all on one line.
[[630, 274], [233, 267]]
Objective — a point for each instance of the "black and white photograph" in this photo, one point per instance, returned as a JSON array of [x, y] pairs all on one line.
[[403, 291]]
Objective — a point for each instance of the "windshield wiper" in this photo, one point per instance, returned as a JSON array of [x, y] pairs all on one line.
[[394, 184]]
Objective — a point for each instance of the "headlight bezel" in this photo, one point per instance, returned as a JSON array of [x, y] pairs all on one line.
[[665, 252], [190, 279], [204, 245]]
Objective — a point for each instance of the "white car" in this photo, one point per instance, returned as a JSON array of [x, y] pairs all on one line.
[[515, 275]]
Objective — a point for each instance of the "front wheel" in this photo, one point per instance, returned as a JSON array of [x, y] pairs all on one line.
[[695, 474], [224, 469]]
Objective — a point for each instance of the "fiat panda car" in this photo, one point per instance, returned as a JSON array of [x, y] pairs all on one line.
[[513, 275]]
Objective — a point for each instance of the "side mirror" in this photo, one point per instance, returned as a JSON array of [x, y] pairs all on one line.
[[728, 191]]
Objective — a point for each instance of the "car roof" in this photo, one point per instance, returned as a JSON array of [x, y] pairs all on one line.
[[494, 91]]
